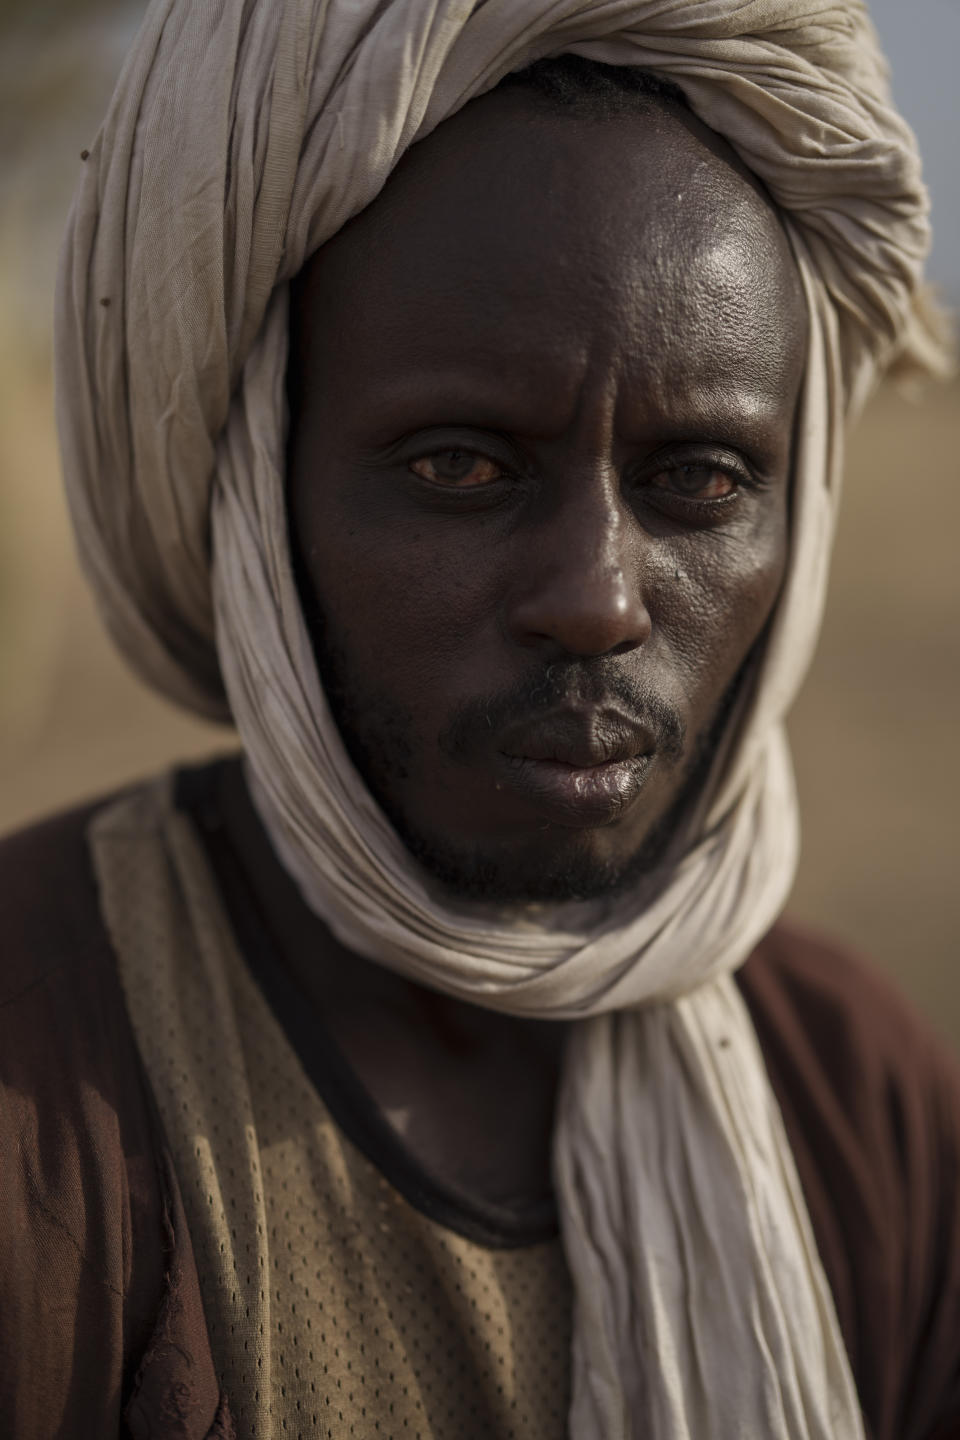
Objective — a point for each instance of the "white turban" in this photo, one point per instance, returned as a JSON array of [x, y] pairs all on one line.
[[243, 134]]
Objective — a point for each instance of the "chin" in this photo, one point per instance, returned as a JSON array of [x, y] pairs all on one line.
[[556, 864], [570, 868]]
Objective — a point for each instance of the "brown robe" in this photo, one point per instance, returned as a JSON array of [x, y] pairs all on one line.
[[102, 1328]]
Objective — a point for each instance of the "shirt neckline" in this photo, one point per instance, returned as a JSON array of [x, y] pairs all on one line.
[[350, 1104]]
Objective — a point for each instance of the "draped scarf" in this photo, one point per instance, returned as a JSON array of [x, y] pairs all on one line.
[[242, 135]]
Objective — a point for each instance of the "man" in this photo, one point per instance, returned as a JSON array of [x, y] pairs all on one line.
[[321, 1048]]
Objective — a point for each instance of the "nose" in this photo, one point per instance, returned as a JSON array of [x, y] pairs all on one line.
[[580, 593]]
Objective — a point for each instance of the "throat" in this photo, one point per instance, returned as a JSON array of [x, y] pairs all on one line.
[[472, 1096], [475, 1110], [468, 1093]]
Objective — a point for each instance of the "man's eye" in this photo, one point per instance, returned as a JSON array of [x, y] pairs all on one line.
[[456, 467], [695, 482]]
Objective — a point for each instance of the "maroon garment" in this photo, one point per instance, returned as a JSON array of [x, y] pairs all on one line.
[[101, 1320], [100, 1307]]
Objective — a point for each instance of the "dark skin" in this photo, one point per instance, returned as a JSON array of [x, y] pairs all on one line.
[[543, 398]]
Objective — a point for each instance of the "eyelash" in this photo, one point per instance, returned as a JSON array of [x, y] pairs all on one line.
[[741, 476]]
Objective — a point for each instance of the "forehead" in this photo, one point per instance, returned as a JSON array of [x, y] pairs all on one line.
[[520, 242]]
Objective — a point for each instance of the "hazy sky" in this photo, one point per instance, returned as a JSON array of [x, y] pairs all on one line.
[[922, 39]]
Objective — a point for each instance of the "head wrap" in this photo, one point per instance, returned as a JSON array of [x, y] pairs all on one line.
[[242, 135]]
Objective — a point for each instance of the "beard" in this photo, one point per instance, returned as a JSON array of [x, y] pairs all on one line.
[[569, 870], [379, 737], [565, 874]]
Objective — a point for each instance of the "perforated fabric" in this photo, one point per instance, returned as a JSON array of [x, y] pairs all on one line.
[[334, 1308]]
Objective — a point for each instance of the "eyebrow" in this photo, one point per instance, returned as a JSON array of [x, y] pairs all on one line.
[[441, 396]]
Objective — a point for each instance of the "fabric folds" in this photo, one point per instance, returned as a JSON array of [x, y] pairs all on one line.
[[242, 135]]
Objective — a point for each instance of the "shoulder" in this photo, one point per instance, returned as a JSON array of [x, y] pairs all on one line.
[[100, 1306], [848, 1054], [81, 1252], [48, 908], [870, 1097], [819, 1005], [62, 1015], [62, 1018]]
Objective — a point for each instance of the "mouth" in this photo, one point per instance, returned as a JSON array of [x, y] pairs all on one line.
[[573, 795], [577, 768]]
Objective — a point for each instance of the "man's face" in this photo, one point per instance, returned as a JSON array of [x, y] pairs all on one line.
[[544, 390]]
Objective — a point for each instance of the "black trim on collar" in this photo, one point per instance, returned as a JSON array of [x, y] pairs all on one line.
[[350, 1104]]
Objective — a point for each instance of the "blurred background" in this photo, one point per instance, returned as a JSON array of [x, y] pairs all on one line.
[[875, 731]]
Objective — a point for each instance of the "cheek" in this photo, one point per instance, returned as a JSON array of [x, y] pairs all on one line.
[[412, 607], [406, 604], [708, 616]]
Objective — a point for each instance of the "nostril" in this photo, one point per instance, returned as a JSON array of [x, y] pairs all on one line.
[[582, 616], [626, 646]]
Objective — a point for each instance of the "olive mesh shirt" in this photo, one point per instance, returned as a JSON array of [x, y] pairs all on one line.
[[334, 1306]]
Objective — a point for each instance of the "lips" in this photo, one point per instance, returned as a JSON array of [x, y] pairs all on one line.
[[582, 739], [577, 768]]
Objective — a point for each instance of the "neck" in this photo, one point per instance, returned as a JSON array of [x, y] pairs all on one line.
[[471, 1091]]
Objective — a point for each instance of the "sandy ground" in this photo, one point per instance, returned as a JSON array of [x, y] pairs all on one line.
[[874, 732]]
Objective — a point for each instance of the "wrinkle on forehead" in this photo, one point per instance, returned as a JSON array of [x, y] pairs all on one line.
[[513, 242]]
